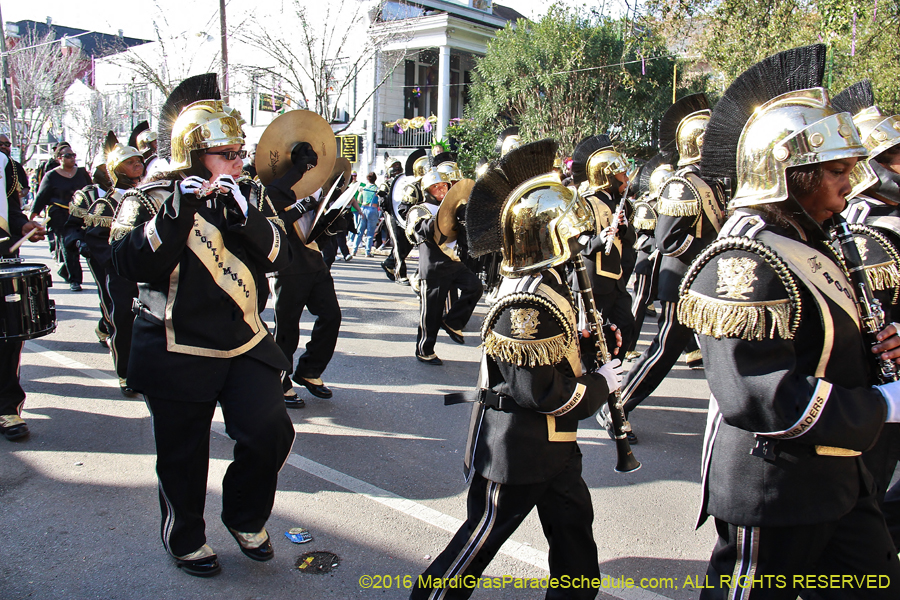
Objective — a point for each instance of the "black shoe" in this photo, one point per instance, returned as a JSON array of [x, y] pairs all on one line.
[[205, 566], [262, 551], [315, 386], [12, 427], [292, 400], [632, 439], [434, 360], [456, 336], [75, 287], [389, 272]]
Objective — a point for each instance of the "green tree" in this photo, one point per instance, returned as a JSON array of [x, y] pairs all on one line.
[[863, 37], [572, 74]]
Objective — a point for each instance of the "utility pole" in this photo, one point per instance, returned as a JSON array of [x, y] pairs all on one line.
[[7, 85], [224, 34]]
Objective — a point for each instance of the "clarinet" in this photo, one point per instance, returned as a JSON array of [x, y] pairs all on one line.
[[620, 210], [625, 460], [870, 311]]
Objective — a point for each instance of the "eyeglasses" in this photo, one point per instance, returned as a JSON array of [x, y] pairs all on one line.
[[231, 154], [70, 155]]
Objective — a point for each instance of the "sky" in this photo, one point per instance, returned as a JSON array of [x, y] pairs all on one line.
[[107, 16]]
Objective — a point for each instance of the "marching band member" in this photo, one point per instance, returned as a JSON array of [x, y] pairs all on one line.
[[440, 270], [13, 224], [532, 387], [793, 404], [197, 245]]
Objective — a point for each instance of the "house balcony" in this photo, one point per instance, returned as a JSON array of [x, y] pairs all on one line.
[[410, 138]]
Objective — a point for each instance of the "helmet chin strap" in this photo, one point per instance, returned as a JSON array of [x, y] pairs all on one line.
[[888, 186]]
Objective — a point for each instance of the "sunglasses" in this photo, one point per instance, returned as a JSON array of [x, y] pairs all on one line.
[[70, 155], [5, 144], [231, 154]]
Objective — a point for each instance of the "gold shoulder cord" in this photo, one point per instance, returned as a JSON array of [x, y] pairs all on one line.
[[746, 320]]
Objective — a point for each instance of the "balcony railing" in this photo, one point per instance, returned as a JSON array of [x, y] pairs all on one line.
[[410, 138]]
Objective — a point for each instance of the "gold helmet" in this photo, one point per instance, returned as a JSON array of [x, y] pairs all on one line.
[[508, 139], [204, 124], [115, 154], [773, 117], [878, 132], [431, 177], [793, 129], [682, 128], [521, 208], [689, 137], [446, 165], [658, 178], [597, 162], [145, 139]]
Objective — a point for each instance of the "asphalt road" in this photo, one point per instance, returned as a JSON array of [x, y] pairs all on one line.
[[375, 473]]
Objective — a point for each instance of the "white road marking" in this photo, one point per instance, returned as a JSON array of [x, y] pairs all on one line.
[[526, 554]]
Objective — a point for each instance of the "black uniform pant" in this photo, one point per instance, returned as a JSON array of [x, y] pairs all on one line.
[[645, 289], [433, 298], [495, 511], [331, 244], [12, 396], [256, 419], [396, 262], [615, 306], [66, 251], [98, 271], [122, 293], [655, 363], [314, 291], [753, 563], [881, 461]]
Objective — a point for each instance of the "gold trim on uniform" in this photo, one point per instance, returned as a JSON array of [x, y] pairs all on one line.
[[276, 243], [559, 436], [736, 277], [152, 234], [577, 396], [527, 353], [746, 320], [832, 451], [883, 275], [524, 322]]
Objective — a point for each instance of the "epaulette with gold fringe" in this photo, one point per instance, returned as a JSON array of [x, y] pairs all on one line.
[[416, 214], [100, 215], [129, 209], [527, 330], [679, 198], [644, 216], [881, 259], [751, 294], [81, 202]]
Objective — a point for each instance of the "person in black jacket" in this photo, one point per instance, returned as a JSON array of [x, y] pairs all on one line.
[[13, 225], [124, 168], [440, 270], [54, 194], [690, 213], [197, 244], [533, 387], [792, 404]]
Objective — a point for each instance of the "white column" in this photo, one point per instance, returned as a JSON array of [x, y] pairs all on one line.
[[443, 114]]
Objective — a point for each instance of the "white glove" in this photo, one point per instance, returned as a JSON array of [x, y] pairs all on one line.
[[226, 182], [191, 185], [891, 393], [612, 373]]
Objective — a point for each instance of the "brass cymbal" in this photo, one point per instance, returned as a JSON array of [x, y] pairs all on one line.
[[273, 153], [446, 216], [341, 167]]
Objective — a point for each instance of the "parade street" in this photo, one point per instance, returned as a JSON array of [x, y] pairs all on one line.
[[375, 473]]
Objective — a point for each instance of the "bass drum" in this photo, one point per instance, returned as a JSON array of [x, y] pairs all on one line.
[[28, 312]]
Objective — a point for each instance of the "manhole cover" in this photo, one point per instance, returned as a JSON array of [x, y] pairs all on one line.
[[318, 561]]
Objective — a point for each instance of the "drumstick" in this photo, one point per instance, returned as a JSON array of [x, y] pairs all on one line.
[[25, 237]]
